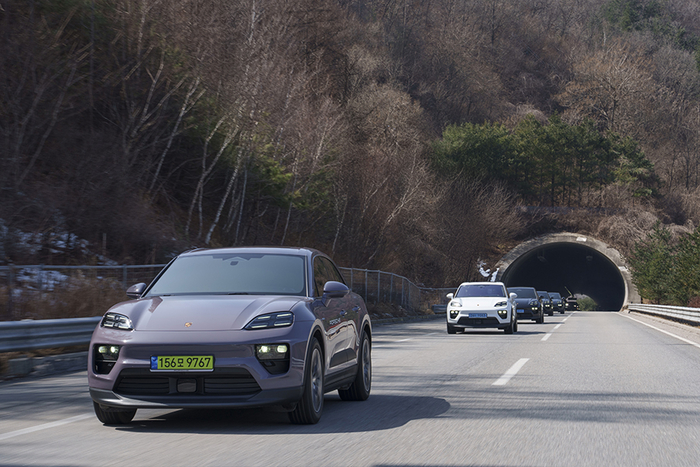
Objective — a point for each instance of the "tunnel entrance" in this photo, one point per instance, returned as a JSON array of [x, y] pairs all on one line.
[[570, 264]]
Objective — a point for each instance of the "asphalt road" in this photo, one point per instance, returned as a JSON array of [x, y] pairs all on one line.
[[598, 389]]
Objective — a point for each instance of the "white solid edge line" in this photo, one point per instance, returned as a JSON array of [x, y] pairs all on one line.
[[45, 426], [665, 332], [512, 371]]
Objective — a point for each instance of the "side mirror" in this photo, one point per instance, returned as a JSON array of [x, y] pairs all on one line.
[[450, 296], [136, 290], [513, 295], [333, 289]]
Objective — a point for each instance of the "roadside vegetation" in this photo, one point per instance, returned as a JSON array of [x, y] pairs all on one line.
[[412, 137], [666, 267]]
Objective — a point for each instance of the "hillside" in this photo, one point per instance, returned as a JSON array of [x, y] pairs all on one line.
[[146, 127]]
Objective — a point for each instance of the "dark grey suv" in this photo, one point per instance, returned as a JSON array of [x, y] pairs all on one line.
[[527, 304], [233, 327]]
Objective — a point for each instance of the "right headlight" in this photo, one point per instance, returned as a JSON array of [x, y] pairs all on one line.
[[280, 319]]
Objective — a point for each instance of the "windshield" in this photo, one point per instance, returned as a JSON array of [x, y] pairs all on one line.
[[543, 295], [480, 290], [234, 274], [523, 292], [555, 295]]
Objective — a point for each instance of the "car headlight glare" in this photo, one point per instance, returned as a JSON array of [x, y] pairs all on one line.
[[271, 351], [271, 320], [503, 313], [454, 314], [117, 321], [105, 357]]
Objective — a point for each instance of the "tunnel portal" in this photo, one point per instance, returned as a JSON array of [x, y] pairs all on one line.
[[570, 264]]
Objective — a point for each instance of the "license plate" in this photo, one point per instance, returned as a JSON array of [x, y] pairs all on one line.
[[182, 363], [521, 311], [478, 315]]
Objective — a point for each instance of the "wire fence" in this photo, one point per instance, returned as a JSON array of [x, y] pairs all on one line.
[[28, 291]]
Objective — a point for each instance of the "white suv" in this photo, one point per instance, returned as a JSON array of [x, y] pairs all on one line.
[[481, 305]]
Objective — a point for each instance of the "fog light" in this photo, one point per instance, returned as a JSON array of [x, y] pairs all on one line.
[[105, 357], [503, 314], [271, 351], [454, 314], [274, 357]]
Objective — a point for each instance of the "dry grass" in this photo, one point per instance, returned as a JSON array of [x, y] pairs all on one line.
[[78, 296]]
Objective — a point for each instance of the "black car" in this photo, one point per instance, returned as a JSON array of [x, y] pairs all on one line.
[[571, 304], [546, 302], [527, 304], [557, 302]]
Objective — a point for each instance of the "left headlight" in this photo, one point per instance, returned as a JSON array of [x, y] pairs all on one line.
[[500, 304], [117, 321], [281, 319]]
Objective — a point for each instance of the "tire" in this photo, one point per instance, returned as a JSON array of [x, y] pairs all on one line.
[[110, 416], [451, 329], [551, 313], [512, 327], [561, 312], [360, 388], [309, 409], [540, 320]]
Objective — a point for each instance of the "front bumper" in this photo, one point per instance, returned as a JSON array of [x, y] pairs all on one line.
[[490, 320], [238, 379]]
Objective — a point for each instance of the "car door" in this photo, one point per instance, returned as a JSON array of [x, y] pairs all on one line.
[[331, 316], [349, 314]]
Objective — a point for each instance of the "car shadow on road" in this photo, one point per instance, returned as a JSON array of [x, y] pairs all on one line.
[[379, 412]]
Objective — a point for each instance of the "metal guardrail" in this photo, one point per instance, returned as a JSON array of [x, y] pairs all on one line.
[[24, 336], [686, 314]]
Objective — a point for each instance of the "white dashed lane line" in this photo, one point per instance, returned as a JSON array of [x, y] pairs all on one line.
[[45, 426], [512, 371]]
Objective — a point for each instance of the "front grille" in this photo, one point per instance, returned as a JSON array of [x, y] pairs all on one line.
[[465, 321], [229, 381]]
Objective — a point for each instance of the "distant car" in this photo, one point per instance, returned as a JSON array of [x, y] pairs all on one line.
[[481, 305], [527, 304], [546, 302], [557, 302], [233, 327], [571, 304]]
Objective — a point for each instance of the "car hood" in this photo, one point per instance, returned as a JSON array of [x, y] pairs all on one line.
[[481, 302], [201, 313]]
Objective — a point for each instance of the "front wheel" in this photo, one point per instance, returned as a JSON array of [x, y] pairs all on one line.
[[110, 416], [310, 407], [360, 388]]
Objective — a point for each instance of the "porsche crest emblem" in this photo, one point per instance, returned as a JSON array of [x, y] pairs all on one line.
[[187, 325]]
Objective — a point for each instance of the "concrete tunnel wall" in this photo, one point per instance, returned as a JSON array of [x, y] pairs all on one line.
[[569, 262]]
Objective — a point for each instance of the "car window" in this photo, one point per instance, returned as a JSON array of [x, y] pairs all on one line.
[[233, 273], [480, 290], [321, 275], [523, 292]]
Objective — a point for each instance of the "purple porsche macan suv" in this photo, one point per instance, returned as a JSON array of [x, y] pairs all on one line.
[[233, 327]]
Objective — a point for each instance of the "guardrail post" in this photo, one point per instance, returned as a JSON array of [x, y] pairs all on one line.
[[10, 292]]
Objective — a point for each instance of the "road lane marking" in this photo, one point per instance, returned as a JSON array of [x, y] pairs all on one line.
[[45, 426], [512, 371], [665, 332], [549, 334]]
